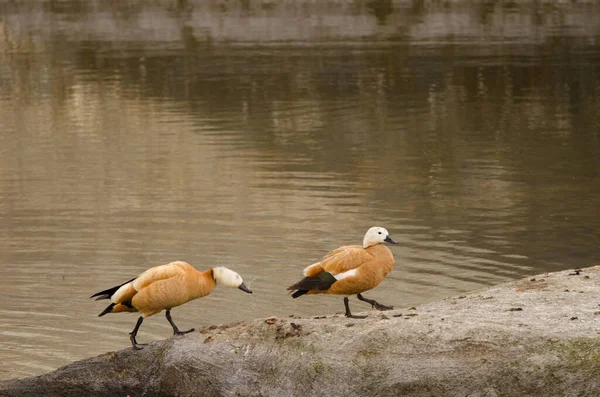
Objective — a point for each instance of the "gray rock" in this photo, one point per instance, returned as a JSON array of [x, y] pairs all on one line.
[[533, 337]]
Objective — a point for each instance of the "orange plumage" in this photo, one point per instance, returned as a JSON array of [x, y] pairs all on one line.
[[163, 288], [350, 270]]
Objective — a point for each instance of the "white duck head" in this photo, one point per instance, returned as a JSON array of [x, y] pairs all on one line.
[[377, 235], [229, 278]]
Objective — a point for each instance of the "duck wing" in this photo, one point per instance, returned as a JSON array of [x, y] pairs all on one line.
[[127, 291], [337, 265], [339, 261]]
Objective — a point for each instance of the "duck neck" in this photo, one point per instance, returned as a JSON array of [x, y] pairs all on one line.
[[376, 248], [367, 244], [204, 283]]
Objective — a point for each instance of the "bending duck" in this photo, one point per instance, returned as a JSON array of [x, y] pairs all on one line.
[[165, 287], [349, 270]]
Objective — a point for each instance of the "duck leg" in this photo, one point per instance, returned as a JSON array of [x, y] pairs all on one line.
[[176, 330], [375, 304], [348, 313], [133, 334]]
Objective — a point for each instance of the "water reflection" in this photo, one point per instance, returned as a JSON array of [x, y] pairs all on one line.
[[260, 135]]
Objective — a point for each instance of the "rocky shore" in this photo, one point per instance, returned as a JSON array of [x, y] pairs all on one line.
[[537, 336]]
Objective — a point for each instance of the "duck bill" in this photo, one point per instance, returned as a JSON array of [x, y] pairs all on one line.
[[244, 288], [388, 239]]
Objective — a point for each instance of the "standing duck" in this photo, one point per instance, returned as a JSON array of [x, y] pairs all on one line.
[[350, 270], [163, 288]]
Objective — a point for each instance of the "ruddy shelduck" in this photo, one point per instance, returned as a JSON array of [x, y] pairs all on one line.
[[163, 288], [350, 270]]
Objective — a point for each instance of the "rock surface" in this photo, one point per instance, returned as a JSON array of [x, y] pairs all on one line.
[[538, 337]]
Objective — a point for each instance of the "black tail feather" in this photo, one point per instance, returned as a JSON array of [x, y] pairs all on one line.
[[298, 293], [321, 282], [107, 310], [107, 293]]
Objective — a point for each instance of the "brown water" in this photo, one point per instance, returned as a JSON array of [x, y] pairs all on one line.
[[260, 135]]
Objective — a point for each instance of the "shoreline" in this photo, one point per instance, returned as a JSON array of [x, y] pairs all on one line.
[[534, 336]]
